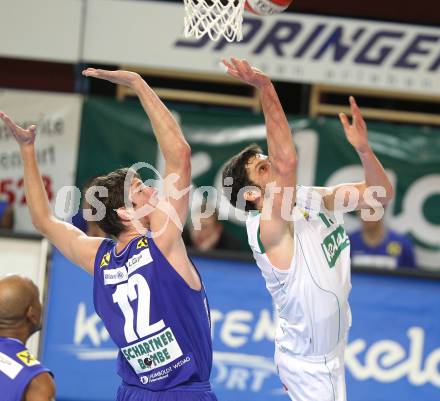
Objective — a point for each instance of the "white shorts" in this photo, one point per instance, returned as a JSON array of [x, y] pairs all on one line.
[[313, 378]]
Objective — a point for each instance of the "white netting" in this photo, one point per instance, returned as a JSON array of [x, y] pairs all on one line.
[[216, 18]]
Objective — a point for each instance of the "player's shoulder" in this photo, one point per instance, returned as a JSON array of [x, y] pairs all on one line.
[[355, 234], [104, 251], [41, 385], [253, 231], [14, 350], [356, 240], [253, 216], [394, 236]]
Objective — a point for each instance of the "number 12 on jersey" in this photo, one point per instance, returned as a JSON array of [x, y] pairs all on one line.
[[136, 288]]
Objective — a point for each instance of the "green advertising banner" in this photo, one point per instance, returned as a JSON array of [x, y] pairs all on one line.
[[116, 134]]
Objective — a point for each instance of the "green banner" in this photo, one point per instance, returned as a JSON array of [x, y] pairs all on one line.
[[116, 134]]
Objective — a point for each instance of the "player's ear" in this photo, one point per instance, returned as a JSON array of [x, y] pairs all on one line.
[[123, 213], [251, 196], [33, 315]]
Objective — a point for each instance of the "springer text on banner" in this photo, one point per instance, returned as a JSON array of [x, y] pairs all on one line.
[[289, 47]]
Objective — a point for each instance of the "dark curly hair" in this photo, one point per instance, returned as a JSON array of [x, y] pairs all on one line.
[[236, 169], [114, 182]]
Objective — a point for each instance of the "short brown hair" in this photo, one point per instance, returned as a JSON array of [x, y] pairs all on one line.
[[236, 169], [114, 182]]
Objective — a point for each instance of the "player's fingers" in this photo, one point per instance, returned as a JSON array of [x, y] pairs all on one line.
[[89, 72], [238, 64], [32, 128], [103, 73], [8, 122], [234, 73], [344, 121], [228, 65], [2, 116], [247, 67], [354, 107], [359, 124], [97, 73]]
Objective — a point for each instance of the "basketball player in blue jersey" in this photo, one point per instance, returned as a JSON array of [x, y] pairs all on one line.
[[22, 377], [146, 290], [302, 251]]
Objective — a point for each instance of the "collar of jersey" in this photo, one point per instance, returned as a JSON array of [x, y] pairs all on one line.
[[117, 255], [12, 339]]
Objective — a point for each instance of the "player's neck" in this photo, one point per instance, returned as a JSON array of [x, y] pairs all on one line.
[[125, 237], [20, 334], [374, 237]]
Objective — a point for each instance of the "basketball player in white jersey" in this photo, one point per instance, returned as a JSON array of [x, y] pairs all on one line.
[[302, 252]]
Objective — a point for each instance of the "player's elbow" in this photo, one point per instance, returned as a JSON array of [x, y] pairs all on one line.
[[286, 164], [384, 194], [184, 156], [182, 161], [389, 195], [185, 152]]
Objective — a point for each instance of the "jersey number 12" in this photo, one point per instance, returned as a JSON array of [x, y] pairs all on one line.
[[136, 288]]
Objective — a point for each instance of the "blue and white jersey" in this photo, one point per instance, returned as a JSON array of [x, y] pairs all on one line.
[[160, 325], [17, 369]]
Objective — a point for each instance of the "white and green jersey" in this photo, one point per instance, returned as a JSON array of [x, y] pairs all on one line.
[[311, 297]]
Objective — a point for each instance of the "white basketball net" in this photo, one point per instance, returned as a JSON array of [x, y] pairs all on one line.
[[217, 18]]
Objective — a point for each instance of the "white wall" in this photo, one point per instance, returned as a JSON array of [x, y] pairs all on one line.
[[41, 29]]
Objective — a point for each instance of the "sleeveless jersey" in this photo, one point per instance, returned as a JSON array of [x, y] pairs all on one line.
[[160, 325], [17, 368], [311, 297]]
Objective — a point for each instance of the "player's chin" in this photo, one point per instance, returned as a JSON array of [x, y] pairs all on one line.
[[153, 202]]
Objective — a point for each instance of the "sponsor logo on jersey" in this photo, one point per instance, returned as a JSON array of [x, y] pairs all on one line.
[[153, 352], [141, 259], [163, 373], [28, 359], [115, 276], [105, 260], [394, 248], [334, 244], [306, 214], [9, 367], [142, 243]]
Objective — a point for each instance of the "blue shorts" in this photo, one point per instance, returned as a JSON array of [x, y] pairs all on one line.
[[134, 393]]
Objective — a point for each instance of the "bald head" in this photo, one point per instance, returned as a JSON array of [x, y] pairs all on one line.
[[19, 304]]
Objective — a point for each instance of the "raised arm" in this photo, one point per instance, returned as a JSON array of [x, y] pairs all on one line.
[[337, 197], [73, 243], [275, 228], [171, 214]]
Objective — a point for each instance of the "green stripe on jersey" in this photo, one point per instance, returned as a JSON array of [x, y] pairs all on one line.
[[260, 243]]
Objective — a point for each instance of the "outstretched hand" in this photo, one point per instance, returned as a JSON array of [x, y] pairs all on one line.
[[356, 133], [118, 77], [22, 136], [243, 71]]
